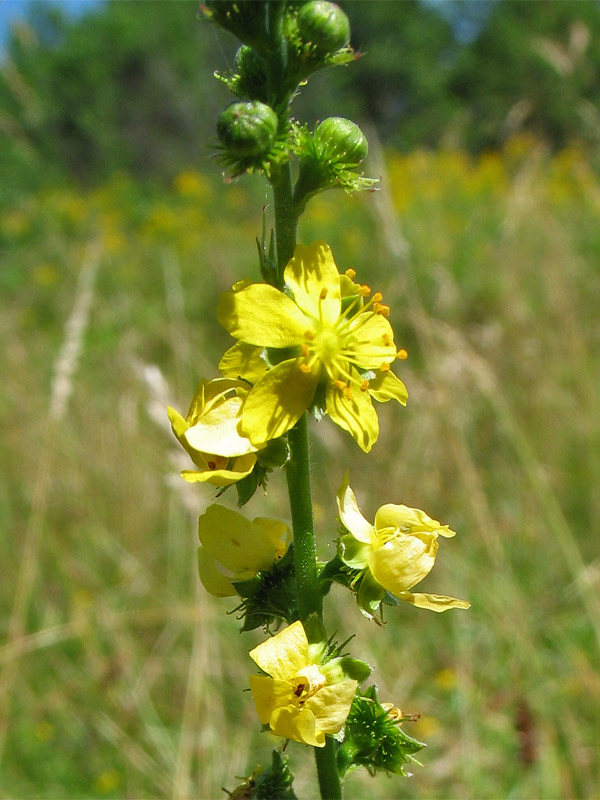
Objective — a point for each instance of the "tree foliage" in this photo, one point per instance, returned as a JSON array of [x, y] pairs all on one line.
[[125, 86]]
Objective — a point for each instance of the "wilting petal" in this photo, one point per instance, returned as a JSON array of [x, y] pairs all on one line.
[[354, 414], [277, 402], [313, 278], [434, 602], [262, 315], [387, 386], [351, 515], [283, 655]]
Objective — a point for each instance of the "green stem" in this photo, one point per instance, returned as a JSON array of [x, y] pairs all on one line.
[[286, 217], [329, 780], [305, 552]]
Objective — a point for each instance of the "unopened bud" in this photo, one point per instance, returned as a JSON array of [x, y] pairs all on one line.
[[342, 139], [247, 129], [324, 25]]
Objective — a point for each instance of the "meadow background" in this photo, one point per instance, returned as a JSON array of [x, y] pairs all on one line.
[[121, 677]]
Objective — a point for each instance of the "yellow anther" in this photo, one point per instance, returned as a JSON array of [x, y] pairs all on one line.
[[309, 335], [348, 392], [323, 293], [384, 368], [364, 290], [377, 297], [386, 340], [305, 350], [382, 309], [364, 386], [402, 354], [350, 273], [341, 384], [306, 368]]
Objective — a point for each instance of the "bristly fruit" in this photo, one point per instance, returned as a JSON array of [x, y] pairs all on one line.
[[252, 81], [324, 25], [247, 128]]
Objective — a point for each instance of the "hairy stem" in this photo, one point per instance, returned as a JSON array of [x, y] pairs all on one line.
[[330, 785]]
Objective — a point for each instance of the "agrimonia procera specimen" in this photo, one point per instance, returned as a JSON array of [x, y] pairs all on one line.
[[310, 340]]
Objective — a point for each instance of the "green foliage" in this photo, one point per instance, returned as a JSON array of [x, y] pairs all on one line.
[[270, 596]]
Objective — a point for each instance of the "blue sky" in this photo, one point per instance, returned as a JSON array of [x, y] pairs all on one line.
[[14, 9]]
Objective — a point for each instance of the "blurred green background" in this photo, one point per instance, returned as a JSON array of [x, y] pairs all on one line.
[[119, 676]]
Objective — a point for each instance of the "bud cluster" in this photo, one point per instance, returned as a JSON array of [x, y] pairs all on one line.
[[256, 132]]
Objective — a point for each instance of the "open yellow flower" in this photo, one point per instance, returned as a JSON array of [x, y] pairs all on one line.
[[318, 336], [234, 549], [210, 433], [395, 553], [298, 699]]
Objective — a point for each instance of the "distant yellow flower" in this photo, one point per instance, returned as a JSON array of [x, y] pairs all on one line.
[[395, 553], [298, 698], [234, 549], [327, 339], [210, 433]]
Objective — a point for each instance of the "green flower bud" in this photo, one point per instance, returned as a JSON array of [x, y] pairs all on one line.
[[247, 129], [252, 74], [324, 25], [342, 140]]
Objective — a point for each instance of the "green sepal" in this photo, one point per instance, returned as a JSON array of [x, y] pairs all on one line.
[[248, 485], [369, 595], [275, 455], [275, 783], [353, 553], [338, 669], [374, 739], [270, 596], [327, 162]]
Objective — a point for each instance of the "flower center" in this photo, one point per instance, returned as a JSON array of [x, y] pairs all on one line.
[[342, 348], [307, 682]]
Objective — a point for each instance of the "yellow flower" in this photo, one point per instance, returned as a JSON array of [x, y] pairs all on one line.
[[210, 433], [395, 553], [298, 698], [327, 339], [234, 549]]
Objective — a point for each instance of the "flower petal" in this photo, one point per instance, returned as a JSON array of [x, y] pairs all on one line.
[[410, 519], [434, 602], [354, 414], [242, 466], [283, 655], [212, 579], [298, 725], [262, 315], [331, 705], [372, 340], [268, 695], [387, 386], [234, 541], [351, 515], [277, 402], [178, 423], [277, 532], [216, 431], [403, 561], [243, 361], [310, 274]]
